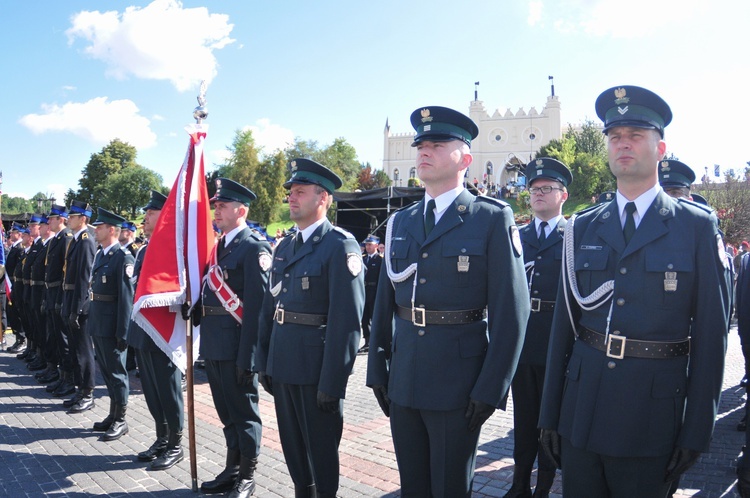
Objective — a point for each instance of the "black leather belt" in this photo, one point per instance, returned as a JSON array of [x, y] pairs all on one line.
[[370, 284], [538, 305], [421, 317], [51, 285], [69, 287], [283, 316], [619, 346], [35, 283], [103, 297], [26, 281], [214, 310]]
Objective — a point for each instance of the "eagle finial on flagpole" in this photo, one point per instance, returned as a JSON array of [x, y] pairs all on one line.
[[201, 112]]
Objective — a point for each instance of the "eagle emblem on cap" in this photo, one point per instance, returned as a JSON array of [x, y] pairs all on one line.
[[293, 164], [426, 118], [539, 164], [621, 98], [665, 166], [218, 183]]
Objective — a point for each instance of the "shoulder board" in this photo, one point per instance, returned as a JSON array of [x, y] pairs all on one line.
[[84, 235], [135, 246], [256, 234], [702, 207], [491, 200], [591, 208], [68, 234], [407, 206], [344, 232]]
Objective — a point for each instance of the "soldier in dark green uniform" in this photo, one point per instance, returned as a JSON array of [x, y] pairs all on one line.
[[111, 294], [548, 180], [636, 355], [231, 303], [310, 331], [160, 377], [437, 367], [127, 240]]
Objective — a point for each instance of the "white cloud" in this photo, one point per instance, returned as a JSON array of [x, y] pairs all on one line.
[[162, 41], [69, 88], [271, 137], [535, 12], [56, 190], [157, 117], [97, 120]]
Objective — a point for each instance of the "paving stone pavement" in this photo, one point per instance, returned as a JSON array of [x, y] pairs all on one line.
[[46, 452]]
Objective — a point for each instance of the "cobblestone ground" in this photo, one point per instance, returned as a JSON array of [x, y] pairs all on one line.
[[46, 452]]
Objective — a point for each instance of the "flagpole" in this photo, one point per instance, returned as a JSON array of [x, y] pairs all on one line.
[[199, 114]]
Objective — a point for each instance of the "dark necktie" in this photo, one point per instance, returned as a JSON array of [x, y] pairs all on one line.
[[629, 229], [298, 241], [429, 217], [542, 232]]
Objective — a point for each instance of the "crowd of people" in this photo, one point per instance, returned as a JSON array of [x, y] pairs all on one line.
[[608, 328]]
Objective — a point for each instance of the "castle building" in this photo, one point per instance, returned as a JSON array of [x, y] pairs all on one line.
[[506, 141]]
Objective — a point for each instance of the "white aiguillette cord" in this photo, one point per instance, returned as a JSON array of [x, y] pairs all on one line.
[[593, 300], [408, 272]]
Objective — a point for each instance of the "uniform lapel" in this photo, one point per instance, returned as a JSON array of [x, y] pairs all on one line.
[[414, 222], [529, 236], [453, 216], [609, 228], [653, 224], [226, 251], [310, 243]]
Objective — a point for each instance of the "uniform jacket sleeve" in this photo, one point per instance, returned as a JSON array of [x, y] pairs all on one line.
[[85, 260], [381, 332], [125, 297], [255, 286]]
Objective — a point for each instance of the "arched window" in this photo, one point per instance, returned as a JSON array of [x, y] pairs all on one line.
[[413, 173], [489, 168], [395, 175]]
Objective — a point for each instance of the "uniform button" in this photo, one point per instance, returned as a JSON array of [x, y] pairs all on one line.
[[538, 257], [536, 274], [283, 290], [393, 253], [422, 280], [463, 249], [620, 301], [611, 365], [615, 332], [670, 266], [536, 292], [677, 391], [585, 265], [424, 255], [286, 275], [623, 271], [420, 333]]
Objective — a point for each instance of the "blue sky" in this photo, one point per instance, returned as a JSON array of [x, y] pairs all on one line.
[[80, 73]]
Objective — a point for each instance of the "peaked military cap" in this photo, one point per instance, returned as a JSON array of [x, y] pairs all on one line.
[[699, 199], [106, 217], [58, 211], [308, 172], [371, 239], [24, 230], [674, 173], [440, 124], [43, 219], [36, 219], [79, 208], [230, 191], [605, 197], [129, 225], [16, 227], [546, 167], [633, 106], [156, 202]]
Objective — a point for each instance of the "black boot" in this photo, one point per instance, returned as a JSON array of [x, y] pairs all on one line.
[[544, 480], [226, 479], [119, 426], [52, 374], [77, 394], [305, 491], [52, 387], [18, 347], [245, 485], [104, 424], [67, 388], [173, 454], [158, 448], [521, 487], [86, 402]]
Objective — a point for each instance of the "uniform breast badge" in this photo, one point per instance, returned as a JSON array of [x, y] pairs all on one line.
[[463, 264], [104, 279], [670, 281], [305, 283]]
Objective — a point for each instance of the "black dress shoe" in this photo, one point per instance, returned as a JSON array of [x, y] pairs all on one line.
[[154, 451], [54, 385], [86, 402], [743, 382], [37, 365], [170, 458], [51, 376], [363, 349], [224, 481], [65, 389], [243, 488]]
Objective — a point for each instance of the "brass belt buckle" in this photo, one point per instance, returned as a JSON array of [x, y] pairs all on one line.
[[279, 316], [536, 305], [232, 304], [418, 317], [622, 340]]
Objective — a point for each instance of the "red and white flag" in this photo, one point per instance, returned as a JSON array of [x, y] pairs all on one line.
[[178, 254]]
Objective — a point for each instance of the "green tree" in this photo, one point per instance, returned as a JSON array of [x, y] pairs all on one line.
[[243, 162], [340, 157], [381, 179], [70, 196], [129, 190], [731, 201], [16, 205], [268, 186], [101, 166]]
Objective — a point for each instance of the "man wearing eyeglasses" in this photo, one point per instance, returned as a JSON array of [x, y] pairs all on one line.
[[542, 253]]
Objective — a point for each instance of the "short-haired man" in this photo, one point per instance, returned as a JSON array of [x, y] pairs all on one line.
[[111, 294], [548, 180], [636, 355], [237, 280], [372, 261], [310, 331], [450, 260], [11, 263]]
